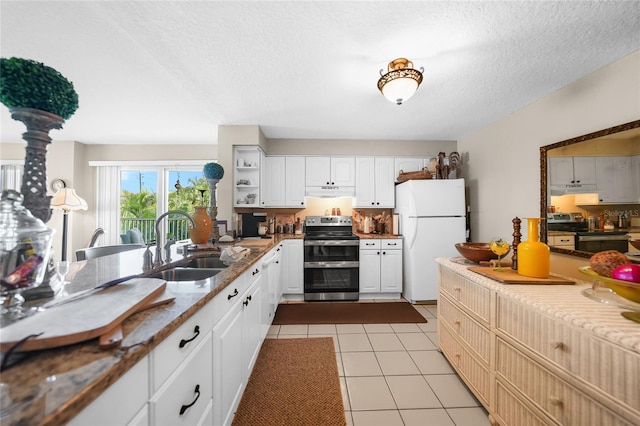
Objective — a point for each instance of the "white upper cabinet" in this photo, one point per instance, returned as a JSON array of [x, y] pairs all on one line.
[[295, 181], [330, 171], [318, 171], [283, 182], [375, 182], [615, 180], [572, 172], [273, 188]]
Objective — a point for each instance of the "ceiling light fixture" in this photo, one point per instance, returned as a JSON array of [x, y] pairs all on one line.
[[401, 81]]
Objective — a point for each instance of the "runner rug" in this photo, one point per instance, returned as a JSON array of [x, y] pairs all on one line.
[[347, 313], [294, 382]]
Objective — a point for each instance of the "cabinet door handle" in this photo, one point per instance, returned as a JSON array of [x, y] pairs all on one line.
[[257, 271], [234, 294], [246, 302], [384, 252], [183, 342], [186, 407]]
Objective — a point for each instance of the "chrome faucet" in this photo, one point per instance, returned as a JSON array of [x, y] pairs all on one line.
[[158, 260]]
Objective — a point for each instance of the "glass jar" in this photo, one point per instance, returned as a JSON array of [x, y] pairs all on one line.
[[25, 244]]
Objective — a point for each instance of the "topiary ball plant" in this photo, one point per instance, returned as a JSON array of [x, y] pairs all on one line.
[[25, 83], [213, 171]]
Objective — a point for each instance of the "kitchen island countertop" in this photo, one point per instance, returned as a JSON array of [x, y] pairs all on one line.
[[54, 385]]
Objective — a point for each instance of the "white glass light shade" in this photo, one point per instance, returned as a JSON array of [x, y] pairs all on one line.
[[66, 199], [400, 89]]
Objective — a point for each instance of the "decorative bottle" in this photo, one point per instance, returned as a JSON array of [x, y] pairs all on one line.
[[201, 232], [533, 255]]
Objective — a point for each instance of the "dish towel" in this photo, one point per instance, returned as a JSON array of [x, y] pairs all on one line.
[[233, 254]]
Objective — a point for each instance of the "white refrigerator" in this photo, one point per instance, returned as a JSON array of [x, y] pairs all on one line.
[[432, 220]]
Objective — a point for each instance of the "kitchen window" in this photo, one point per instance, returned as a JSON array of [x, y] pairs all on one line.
[[133, 194]]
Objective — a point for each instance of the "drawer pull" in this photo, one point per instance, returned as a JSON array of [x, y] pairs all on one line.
[[246, 302], [255, 272], [186, 407], [392, 244], [457, 322], [231, 296], [457, 288], [558, 345], [183, 342], [555, 401]]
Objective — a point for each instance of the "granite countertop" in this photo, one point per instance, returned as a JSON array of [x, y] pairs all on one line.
[[50, 387], [364, 236]]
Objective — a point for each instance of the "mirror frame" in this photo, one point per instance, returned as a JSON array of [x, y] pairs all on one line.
[[544, 175]]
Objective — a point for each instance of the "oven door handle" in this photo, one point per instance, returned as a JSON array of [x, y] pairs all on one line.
[[309, 243], [602, 238], [331, 265]]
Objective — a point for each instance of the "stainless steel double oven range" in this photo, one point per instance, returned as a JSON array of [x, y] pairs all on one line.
[[331, 259]]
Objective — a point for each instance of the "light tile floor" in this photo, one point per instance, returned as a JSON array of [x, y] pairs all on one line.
[[394, 374]]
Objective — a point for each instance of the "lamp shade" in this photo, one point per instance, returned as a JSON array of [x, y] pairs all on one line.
[[400, 82], [66, 199]]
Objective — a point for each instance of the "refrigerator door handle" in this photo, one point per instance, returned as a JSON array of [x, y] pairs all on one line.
[[411, 230]]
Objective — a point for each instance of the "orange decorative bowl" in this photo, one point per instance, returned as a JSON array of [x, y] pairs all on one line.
[[627, 289], [477, 252]]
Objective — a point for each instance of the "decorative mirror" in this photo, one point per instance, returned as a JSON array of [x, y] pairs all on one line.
[[583, 195]]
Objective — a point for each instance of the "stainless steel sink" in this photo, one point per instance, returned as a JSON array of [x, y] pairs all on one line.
[[206, 262], [186, 274]]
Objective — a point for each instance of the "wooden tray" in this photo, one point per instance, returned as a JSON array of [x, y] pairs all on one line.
[[82, 319], [422, 174], [509, 276]]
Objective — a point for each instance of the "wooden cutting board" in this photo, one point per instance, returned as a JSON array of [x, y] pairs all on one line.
[[258, 242], [509, 276], [82, 319]]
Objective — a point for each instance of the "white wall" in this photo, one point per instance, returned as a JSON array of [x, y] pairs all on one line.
[[503, 166]]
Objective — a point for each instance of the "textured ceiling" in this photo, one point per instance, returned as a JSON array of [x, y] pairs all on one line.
[[171, 72]]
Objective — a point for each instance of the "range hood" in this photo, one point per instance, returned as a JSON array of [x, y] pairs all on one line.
[[330, 191], [572, 189]]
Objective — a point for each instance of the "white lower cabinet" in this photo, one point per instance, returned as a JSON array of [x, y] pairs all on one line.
[[228, 370], [129, 394], [185, 396], [380, 266], [272, 290], [196, 375], [237, 339], [293, 267]]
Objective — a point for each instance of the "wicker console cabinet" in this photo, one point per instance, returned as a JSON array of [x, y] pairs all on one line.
[[539, 354]]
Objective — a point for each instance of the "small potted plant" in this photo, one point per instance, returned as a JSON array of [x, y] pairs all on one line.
[[42, 99]]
